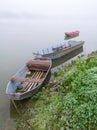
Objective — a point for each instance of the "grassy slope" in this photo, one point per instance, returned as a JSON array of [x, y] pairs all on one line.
[[73, 104]]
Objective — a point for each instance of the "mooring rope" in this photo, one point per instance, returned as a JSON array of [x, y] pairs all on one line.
[[21, 116]]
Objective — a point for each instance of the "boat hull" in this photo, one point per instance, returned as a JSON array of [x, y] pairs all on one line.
[[72, 34], [60, 53], [33, 84], [18, 96]]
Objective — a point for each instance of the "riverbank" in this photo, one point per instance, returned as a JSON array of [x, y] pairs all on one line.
[[68, 102]]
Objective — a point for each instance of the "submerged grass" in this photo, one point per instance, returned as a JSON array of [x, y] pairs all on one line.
[[72, 105]]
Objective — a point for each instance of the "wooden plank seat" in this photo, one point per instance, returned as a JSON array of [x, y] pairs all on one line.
[[27, 79], [41, 68], [38, 62], [28, 83], [38, 65]]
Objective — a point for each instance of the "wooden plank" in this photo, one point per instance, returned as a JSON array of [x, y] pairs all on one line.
[[38, 68], [28, 84], [26, 79], [33, 82], [39, 62], [38, 77]]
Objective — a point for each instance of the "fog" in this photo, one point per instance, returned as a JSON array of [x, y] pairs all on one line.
[[14, 8]]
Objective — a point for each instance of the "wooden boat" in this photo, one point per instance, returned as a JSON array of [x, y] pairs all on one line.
[[60, 50], [29, 79], [72, 34]]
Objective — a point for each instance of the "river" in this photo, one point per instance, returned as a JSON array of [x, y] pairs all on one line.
[[20, 37]]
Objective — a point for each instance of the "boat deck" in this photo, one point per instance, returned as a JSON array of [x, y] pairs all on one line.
[[30, 82], [50, 49]]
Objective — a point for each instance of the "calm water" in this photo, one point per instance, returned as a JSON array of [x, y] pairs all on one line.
[[19, 38]]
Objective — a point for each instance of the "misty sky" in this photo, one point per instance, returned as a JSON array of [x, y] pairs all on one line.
[[50, 7]]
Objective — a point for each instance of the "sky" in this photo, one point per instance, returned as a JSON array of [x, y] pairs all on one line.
[[49, 7]]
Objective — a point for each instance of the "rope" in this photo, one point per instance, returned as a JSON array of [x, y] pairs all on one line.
[[25, 121]]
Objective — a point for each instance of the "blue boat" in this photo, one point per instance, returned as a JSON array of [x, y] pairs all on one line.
[[60, 49], [29, 79]]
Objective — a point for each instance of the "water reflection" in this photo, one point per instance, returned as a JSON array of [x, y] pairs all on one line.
[[63, 59], [70, 37], [17, 108]]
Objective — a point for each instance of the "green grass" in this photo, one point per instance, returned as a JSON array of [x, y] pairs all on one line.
[[73, 105]]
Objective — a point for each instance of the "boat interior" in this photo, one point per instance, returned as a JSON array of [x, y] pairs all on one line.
[[35, 75]]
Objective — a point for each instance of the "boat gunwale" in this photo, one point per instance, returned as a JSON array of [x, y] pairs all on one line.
[[63, 50], [15, 94]]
